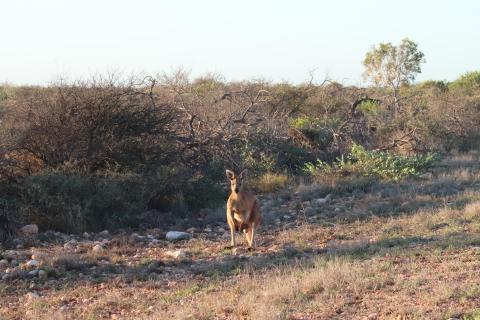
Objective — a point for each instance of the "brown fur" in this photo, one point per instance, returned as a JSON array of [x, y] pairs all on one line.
[[243, 210]]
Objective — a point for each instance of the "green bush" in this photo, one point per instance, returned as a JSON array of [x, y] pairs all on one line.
[[203, 192], [74, 202], [374, 163], [8, 223], [318, 130], [369, 107], [469, 81]]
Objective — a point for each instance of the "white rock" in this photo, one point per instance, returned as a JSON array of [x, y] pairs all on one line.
[[11, 254], [177, 235], [32, 263], [42, 274], [321, 201], [32, 295], [177, 254], [3, 263], [70, 244], [97, 249], [208, 230], [427, 176], [239, 251], [33, 273], [30, 229], [104, 233], [86, 235]]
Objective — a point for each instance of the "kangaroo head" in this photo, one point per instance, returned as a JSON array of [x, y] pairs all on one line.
[[236, 182]]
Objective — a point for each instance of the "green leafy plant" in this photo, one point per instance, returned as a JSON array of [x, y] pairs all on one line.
[[318, 129], [374, 163]]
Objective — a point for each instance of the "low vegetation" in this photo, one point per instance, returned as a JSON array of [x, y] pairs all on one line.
[[373, 163], [380, 250], [370, 196]]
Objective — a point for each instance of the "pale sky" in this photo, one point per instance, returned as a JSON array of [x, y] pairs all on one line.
[[275, 40]]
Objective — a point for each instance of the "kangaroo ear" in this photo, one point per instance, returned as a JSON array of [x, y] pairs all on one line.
[[230, 174], [243, 174]]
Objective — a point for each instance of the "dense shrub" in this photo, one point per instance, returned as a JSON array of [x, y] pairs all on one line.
[[98, 124], [318, 130], [468, 81], [73, 202], [96, 154], [374, 163]]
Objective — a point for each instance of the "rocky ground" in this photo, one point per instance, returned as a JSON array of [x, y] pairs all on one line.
[[358, 249]]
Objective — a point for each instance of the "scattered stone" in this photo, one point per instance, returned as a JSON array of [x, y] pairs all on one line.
[[33, 273], [221, 230], [70, 244], [372, 316], [154, 242], [42, 274], [104, 233], [157, 233], [32, 295], [426, 176], [177, 254], [337, 209], [5, 276], [86, 235], [135, 238], [237, 251], [11, 254], [30, 229], [192, 230], [322, 201], [97, 249], [207, 230], [3, 263], [177, 235], [32, 263]]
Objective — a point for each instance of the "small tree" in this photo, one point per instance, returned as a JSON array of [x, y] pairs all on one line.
[[392, 66]]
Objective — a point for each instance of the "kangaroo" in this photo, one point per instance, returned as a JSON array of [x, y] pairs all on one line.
[[243, 209]]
